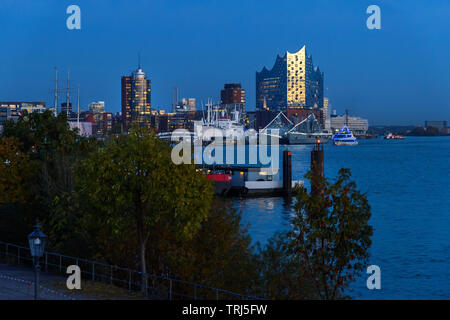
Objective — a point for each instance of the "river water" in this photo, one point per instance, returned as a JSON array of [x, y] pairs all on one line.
[[407, 183]]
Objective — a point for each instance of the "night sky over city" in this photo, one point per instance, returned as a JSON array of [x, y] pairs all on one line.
[[395, 75]]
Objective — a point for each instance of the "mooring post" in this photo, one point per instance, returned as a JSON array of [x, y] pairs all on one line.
[[317, 166], [317, 159], [287, 172]]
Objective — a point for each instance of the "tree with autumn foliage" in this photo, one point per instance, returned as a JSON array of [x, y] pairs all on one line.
[[131, 188], [331, 234], [278, 272], [38, 155], [15, 172], [220, 255], [16, 189]]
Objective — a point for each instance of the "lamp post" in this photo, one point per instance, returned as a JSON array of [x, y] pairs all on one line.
[[37, 241]]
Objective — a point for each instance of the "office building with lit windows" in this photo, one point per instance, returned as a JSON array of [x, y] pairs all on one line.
[[232, 93], [97, 107], [293, 81], [232, 97], [136, 99]]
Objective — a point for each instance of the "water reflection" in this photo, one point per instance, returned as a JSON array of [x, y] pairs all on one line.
[[406, 183], [266, 215]]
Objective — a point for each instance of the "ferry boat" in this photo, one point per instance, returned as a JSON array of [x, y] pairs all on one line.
[[344, 137]]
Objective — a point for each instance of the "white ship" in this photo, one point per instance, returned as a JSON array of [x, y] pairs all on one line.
[[216, 123], [308, 131], [219, 123], [277, 128]]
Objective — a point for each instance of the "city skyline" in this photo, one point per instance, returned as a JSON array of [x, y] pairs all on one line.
[[395, 75]]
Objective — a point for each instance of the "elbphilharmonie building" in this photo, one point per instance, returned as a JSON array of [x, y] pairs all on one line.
[[292, 81]]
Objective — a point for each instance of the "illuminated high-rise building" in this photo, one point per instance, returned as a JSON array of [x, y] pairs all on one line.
[[232, 93], [232, 97], [136, 99], [292, 81]]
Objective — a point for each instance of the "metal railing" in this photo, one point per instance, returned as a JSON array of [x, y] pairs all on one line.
[[156, 286]]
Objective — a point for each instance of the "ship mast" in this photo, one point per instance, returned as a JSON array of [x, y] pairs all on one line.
[[78, 107], [68, 94], [56, 91]]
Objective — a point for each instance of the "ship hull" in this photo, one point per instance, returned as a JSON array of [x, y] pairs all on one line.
[[307, 139], [345, 143]]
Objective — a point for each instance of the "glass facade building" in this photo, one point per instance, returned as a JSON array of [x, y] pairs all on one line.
[[136, 99], [292, 81]]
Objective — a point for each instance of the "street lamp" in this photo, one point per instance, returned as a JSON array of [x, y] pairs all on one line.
[[37, 241]]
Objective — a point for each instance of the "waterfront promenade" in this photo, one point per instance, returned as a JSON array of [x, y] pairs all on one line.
[[17, 283]]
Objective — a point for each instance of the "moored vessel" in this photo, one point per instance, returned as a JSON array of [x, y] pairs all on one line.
[[391, 136], [308, 131]]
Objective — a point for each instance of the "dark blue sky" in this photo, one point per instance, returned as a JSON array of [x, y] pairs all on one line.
[[399, 74]]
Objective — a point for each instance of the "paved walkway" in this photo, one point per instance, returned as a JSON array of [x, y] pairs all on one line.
[[17, 283]]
